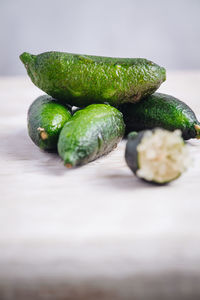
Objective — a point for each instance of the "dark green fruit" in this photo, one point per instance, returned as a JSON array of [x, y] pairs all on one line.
[[91, 133], [158, 156], [81, 80], [161, 110], [46, 117]]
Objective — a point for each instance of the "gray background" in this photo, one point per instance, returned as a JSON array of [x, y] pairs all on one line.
[[167, 32]]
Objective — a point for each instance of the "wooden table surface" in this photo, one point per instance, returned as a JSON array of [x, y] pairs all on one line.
[[96, 232]]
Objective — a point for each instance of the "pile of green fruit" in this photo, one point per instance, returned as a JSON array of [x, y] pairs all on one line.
[[113, 97]]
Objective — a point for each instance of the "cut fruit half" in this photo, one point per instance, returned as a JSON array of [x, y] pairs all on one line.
[[157, 155]]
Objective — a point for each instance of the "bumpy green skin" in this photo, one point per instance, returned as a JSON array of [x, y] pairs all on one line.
[[160, 110], [46, 118], [81, 80], [91, 133]]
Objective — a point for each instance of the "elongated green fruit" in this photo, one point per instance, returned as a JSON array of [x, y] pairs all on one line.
[[161, 110], [91, 133], [81, 80], [46, 117], [158, 156]]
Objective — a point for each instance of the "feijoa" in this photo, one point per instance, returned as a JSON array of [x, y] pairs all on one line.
[[81, 80], [92, 132], [158, 155], [161, 110], [46, 118]]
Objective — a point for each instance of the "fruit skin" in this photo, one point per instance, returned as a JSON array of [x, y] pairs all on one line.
[[46, 117], [131, 153], [160, 110], [91, 133], [81, 80]]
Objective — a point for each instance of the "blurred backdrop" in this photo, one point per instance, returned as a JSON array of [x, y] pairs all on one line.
[[167, 32]]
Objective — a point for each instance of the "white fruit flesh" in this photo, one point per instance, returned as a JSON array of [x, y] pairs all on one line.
[[162, 156]]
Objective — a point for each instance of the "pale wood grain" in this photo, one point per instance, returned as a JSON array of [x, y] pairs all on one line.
[[96, 232]]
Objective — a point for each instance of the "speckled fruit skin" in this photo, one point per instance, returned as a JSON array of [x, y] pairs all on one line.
[[81, 80], [46, 113], [160, 110], [91, 133]]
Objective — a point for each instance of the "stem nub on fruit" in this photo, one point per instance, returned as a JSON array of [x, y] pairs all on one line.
[[43, 133], [197, 128]]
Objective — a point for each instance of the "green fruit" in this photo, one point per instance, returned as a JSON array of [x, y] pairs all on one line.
[[157, 156], [46, 117], [81, 80], [91, 133], [161, 110]]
